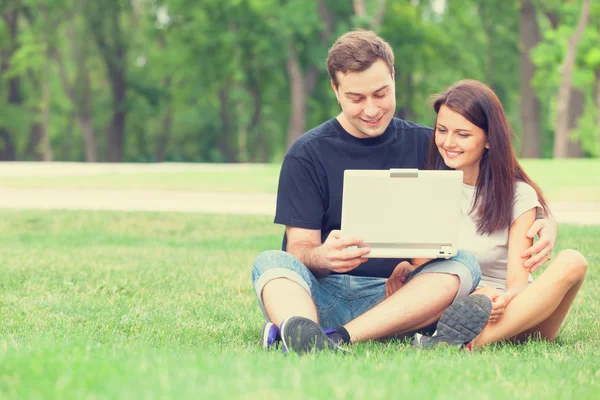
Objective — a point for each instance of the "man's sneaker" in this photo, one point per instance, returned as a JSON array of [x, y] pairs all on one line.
[[270, 336], [301, 335], [334, 336], [460, 323]]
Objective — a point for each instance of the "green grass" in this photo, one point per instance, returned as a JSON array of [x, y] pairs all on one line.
[[255, 178], [159, 305], [561, 180], [566, 180]]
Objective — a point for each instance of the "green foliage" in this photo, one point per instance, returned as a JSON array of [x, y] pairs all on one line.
[[210, 78]]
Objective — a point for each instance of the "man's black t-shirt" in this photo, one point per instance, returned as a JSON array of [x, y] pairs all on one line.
[[309, 195]]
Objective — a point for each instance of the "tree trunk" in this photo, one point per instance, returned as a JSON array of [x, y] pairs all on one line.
[[81, 104], [105, 24], [46, 149], [164, 134], [257, 149], [597, 101], [116, 132], [530, 104], [7, 146], [8, 151], [297, 121], [226, 138], [66, 145], [561, 138], [32, 151], [409, 90], [488, 27], [82, 99], [301, 86], [374, 21], [576, 110]]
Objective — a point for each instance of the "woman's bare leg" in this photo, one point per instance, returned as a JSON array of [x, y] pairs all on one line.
[[543, 305]]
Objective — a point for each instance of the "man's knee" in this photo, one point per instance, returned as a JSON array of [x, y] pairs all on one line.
[[469, 261], [271, 259], [276, 264]]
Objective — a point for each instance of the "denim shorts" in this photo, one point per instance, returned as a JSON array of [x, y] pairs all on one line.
[[341, 298]]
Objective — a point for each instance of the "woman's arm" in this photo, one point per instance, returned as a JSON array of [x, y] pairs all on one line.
[[517, 275]]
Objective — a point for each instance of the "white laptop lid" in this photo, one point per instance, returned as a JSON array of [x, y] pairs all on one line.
[[403, 213]]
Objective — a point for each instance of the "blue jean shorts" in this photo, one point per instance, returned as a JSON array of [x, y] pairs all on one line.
[[341, 298]]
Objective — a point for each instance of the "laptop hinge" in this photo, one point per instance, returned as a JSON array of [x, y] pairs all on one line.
[[404, 173]]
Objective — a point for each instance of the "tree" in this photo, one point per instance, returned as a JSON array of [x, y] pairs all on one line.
[[564, 94], [105, 23], [78, 88], [530, 104], [10, 16]]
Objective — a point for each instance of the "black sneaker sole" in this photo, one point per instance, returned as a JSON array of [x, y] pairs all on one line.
[[460, 323], [301, 335]]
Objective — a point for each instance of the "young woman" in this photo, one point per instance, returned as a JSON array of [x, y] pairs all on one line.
[[499, 204]]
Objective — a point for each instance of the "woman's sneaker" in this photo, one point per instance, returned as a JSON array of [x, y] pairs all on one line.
[[460, 323]]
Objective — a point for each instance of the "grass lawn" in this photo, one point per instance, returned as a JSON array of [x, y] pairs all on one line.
[[98, 305], [561, 180]]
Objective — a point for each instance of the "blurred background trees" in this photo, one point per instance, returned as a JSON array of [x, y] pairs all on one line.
[[239, 80]]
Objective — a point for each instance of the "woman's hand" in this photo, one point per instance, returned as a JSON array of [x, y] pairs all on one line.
[[499, 301], [398, 277]]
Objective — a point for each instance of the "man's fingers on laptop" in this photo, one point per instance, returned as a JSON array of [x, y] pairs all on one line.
[[350, 242], [350, 254], [345, 266]]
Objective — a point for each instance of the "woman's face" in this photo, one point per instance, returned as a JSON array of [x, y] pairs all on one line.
[[460, 143]]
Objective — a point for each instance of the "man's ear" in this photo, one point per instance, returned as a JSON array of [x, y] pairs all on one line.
[[335, 90], [393, 74]]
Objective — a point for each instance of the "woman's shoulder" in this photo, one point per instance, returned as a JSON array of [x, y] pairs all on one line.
[[523, 189], [525, 199]]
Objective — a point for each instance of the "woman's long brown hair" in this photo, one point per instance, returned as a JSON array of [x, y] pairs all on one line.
[[499, 169]]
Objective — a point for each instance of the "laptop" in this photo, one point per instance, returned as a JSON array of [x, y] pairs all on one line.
[[403, 213]]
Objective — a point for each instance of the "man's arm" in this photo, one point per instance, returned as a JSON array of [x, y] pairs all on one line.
[[324, 258], [539, 253]]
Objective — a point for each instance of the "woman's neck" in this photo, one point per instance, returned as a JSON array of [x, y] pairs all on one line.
[[470, 176]]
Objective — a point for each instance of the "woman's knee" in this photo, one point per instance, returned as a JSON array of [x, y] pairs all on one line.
[[572, 264]]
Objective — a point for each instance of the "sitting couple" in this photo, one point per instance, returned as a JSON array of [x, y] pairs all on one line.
[[317, 296]]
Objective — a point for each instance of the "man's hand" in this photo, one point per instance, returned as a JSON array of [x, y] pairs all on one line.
[[540, 252], [338, 258], [398, 277]]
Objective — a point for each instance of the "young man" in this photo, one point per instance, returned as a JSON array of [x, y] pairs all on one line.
[[314, 280]]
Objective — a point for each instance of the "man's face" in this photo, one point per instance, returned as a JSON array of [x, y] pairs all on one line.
[[368, 100]]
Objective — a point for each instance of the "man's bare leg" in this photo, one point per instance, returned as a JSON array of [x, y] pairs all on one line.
[[283, 298], [416, 305]]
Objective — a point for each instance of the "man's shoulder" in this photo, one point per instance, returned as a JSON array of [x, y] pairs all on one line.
[[402, 125], [302, 145]]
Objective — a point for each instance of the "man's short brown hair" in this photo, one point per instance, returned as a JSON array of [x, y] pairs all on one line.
[[356, 51]]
